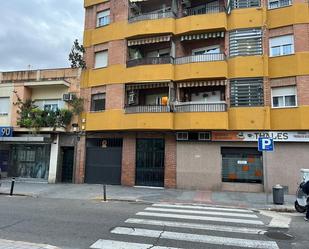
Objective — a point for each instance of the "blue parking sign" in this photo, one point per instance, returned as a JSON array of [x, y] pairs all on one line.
[[265, 144]]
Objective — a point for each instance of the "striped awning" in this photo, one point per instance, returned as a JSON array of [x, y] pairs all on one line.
[[149, 40], [146, 85], [202, 83], [202, 36]]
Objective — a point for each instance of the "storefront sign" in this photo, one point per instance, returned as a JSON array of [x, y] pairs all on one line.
[[253, 136], [6, 131]]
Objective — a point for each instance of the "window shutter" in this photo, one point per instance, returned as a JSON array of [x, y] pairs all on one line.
[[101, 59], [281, 40], [4, 105], [284, 91]]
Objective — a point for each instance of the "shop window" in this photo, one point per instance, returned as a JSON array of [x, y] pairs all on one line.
[[273, 4], [98, 102], [101, 59], [103, 18], [284, 97], [281, 45], [4, 105], [242, 165], [245, 42], [247, 92]]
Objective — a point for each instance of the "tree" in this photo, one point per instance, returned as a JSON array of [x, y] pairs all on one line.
[[76, 56]]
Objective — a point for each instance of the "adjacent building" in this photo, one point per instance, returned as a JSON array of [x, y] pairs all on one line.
[[179, 91], [38, 127]]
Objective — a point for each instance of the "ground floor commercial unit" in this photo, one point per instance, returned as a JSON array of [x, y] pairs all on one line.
[[45, 157], [207, 160]]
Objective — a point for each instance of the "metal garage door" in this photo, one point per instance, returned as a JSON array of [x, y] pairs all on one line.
[[103, 161]]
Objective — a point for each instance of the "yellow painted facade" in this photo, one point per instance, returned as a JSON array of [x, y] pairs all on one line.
[[241, 118]]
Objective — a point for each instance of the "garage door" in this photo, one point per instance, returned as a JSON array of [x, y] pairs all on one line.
[[103, 161]]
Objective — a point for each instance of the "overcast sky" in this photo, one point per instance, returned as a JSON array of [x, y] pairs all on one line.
[[39, 33]]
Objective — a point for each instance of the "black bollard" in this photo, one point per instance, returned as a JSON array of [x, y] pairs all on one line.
[[104, 192], [12, 186]]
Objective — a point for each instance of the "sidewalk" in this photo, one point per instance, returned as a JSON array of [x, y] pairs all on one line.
[[146, 195]]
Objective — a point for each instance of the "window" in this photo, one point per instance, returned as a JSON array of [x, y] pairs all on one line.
[[246, 42], [208, 50], [50, 104], [281, 45], [159, 53], [245, 3], [273, 4], [103, 18], [98, 102], [284, 96], [241, 165], [247, 92], [101, 59], [4, 105]]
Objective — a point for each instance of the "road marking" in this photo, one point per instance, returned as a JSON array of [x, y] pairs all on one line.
[[278, 220], [230, 229], [172, 210], [203, 208], [227, 241], [195, 217], [113, 244]]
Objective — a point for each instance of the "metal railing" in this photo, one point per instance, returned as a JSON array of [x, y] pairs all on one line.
[[146, 108], [205, 10], [207, 107], [279, 4], [152, 16], [200, 58], [150, 61]]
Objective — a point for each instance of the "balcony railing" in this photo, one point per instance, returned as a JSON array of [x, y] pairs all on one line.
[[152, 16], [205, 10], [200, 58], [147, 108], [279, 4], [150, 61], [200, 107]]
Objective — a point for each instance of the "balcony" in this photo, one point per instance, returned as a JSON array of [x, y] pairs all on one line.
[[200, 58], [200, 107], [147, 109], [204, 9], [152, 16], [150, 61]]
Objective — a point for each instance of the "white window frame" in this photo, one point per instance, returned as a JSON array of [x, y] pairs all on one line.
[[280, 5], [5, 113], [102, 63], [103, 16], [281, 45], [283, 88]]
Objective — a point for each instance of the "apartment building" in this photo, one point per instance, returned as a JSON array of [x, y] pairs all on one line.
[[179, 91], [38, 129]]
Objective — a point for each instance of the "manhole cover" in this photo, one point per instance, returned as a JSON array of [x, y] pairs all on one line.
[[279, 235]]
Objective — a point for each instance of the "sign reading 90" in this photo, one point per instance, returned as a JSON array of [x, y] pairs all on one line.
[[6, 131]]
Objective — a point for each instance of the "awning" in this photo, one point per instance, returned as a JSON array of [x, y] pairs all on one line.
[[149, 40], [202, 36], [202, 83], [146, 85]]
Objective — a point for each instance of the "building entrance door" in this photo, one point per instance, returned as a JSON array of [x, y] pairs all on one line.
[[150, 162], [67, 164]]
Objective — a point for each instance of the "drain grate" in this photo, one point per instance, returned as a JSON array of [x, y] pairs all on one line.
[[277, 235]]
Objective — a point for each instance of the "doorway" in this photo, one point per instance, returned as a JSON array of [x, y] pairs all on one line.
[[67, 164]]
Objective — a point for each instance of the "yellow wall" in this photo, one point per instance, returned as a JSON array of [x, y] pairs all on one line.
[[290, 118], [247, 66]]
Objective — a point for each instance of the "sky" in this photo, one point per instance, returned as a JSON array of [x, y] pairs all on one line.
[[39, 33]]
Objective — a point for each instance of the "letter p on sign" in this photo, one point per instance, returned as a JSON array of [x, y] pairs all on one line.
[[266, 144]]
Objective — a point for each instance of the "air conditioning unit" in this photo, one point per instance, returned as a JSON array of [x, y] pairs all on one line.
[[204, 136], [182, 136], [68, 96]]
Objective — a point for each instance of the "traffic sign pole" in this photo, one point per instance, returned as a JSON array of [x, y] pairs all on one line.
[[265, 176]]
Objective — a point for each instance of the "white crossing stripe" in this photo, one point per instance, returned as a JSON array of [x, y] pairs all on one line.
[[172, 210], [113, 244], [202, 207], [195, 217], [227, 241], [220, 228]]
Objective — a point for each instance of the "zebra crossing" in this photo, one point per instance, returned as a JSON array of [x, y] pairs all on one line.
[[162, 226]]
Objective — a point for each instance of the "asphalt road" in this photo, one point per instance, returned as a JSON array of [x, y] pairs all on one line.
[[78, 224]]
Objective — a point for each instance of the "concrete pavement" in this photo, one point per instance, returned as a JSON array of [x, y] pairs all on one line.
[[146, 195]]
